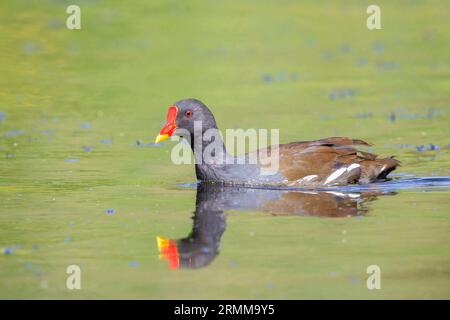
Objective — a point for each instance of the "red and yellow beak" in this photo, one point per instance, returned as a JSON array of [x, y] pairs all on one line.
[[170, 126], [168, 250]]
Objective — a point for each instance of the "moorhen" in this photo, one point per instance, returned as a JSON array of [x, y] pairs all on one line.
[[326, 162]]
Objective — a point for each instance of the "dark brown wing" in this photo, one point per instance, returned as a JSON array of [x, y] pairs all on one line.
[[332, 161]]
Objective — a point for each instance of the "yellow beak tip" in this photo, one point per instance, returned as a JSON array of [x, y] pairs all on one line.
[[161, 137]]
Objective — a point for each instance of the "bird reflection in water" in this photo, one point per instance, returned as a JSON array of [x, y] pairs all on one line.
[[201, 246]]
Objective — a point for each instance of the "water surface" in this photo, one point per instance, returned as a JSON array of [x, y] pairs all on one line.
[[81, 182]]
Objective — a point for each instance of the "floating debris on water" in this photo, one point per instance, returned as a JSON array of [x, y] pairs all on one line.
[[110, 211], [284, 77], [392, 117], [402, 113], [430, 146], [8, 250], [140, 143], [341, 93]]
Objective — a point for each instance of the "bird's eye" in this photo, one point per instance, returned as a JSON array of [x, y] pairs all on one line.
[[188, 113]]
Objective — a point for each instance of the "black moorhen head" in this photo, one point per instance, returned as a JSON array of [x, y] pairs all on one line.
[[182, 115], [324, 162]]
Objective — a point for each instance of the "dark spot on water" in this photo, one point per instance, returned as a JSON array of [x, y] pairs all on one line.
[[434, 147], [392, 117], [281, 76], [378, 47], [14, 133], [2, 116], [364, 115], [402, 113], [388, 65], [86, 125], [48, 132], [8, 250], [346, 48], [140, 143], [31, 47], [106, 141], [37, 273], [432, 113], [430, 146], [72, 160], [354, 280], [110, 211], [328, 56], [134, 264], [360, 62], [87, 148], [233, 264], [341, 93], [267, 78], [270, 285], [284, 77], [35, 246], [55, 24], [73, 48], [9, 155]]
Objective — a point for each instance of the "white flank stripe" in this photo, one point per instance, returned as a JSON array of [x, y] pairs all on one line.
[[336, 174], [309, 178], [353, 166]]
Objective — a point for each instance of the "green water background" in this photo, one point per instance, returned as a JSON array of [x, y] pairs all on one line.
[[74, 103]]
